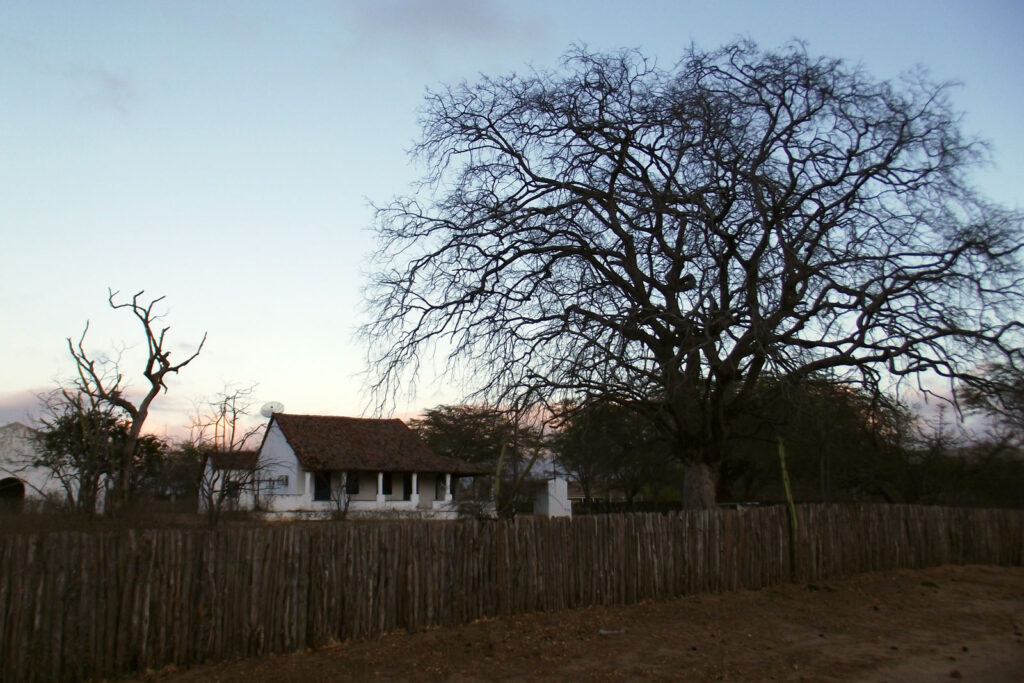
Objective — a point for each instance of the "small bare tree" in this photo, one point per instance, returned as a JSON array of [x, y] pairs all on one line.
[[101, 380], [340, 497], [222, 436], [225, 478]]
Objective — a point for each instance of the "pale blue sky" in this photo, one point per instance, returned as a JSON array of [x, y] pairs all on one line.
[[224, 153]]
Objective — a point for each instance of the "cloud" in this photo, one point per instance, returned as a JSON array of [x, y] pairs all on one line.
[[419, 26], [169, 417], [21, 406], [94, 85], [102, 88]]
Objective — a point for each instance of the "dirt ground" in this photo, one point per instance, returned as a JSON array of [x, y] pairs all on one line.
[[939, 624]]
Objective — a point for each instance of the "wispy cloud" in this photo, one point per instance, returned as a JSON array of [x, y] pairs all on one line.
[[21, 406], [99, 87], [423, 28], [168, 418], [92, 85]]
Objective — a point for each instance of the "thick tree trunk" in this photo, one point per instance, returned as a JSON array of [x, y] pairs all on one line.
[[698, 486]]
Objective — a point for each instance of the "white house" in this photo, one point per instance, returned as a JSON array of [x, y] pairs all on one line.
[[20, 480], [316, 465]]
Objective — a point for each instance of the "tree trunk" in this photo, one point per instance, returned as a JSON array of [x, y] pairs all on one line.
[[127, 463], [698, 486]]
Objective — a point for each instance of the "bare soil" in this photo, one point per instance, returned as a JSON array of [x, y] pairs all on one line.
[[939, 624]]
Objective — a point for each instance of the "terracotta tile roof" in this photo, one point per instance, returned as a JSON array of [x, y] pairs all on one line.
[[360, 444], [235, 460]]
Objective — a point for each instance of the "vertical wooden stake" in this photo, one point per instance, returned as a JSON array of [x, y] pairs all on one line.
[[791, 507]]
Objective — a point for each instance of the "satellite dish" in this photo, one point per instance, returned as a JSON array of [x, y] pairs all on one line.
[[270, 408]]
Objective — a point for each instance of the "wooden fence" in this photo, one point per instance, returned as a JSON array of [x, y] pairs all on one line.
[[79, 605]]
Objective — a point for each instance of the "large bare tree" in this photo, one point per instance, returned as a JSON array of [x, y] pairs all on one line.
[[101, 379], [674, 236]]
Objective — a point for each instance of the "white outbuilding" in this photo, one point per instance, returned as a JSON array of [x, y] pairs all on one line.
[[20, 480]]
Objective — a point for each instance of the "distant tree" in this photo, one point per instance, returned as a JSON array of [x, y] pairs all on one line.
[[672, 237], [995, 456], [992, 476], [842, 442], [465, 432], [222, 433], [75, 443], [101, 380], [606, 444], [81, 441], [1000, 399], [509, 442], [935, 468], [180, 476], [578, 451]]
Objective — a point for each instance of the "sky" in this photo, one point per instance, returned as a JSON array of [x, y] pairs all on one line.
[[226, 156]]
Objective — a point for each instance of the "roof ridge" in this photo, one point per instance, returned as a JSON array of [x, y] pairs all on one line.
[[340, 417], [339, 442]]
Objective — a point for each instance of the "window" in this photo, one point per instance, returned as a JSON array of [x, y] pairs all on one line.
[[386, 486], [352, 483], [272, 483], [232, 490], [321, 486], [407, 486]]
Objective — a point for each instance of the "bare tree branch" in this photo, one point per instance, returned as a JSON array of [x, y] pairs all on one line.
[[673, 237]]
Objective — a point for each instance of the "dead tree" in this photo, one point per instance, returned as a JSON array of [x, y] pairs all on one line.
[[102, 380]]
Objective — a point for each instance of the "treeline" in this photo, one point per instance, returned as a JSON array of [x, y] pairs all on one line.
[[841, 443], [81, 442]]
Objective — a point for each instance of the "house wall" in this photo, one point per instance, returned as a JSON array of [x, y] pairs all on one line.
[[17, 451], [429, 490], [427, 483], [276, 460], [553, 499], [367, 485], [218, 480]]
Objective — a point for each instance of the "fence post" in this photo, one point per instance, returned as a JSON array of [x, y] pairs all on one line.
[[791, 507]]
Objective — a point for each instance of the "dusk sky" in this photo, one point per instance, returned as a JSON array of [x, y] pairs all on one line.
[[225, 155]]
